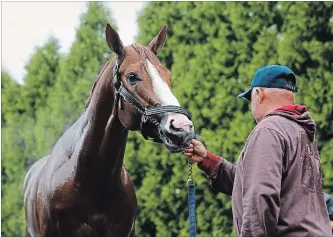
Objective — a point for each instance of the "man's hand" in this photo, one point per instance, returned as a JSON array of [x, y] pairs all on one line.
[[196, 152]]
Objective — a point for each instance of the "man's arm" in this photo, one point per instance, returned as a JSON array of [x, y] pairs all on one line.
[[220, 172], [262, 175]]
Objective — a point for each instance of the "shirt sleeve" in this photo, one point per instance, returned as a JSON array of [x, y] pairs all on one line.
[[220, 172], [262, 175]]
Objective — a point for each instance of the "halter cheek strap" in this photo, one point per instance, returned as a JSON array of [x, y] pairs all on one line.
[[117, 84]]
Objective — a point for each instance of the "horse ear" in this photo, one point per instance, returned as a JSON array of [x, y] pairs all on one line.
[[158, 42], [113, 40]]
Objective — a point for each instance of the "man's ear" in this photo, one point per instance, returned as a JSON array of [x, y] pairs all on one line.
[[261, 94]]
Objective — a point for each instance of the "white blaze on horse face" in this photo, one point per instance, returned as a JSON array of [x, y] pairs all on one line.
[[163, 92], [161, 89]]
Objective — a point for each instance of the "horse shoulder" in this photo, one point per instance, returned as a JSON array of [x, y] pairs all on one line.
[[32, 204], [32, 178], [126, 180], [129, 187]]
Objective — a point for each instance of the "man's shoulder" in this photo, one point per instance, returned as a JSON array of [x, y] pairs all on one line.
[[274, 124], [274, 121], [279, 124], [270, 123]]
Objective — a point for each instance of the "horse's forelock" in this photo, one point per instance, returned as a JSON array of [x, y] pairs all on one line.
[[146, 54]]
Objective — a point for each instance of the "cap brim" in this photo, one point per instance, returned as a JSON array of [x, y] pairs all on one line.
[[246, 94]]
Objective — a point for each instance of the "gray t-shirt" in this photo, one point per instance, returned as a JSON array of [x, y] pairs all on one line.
[[329, 205]]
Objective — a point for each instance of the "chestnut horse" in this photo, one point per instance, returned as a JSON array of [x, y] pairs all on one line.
[[82, 188]]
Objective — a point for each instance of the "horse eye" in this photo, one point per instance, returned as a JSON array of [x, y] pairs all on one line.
[[132, 78]]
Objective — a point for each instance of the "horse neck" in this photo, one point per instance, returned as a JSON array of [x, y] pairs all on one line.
[[112, 150], [102, 139]]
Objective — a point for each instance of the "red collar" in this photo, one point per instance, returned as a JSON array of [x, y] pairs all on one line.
[[292, 109]]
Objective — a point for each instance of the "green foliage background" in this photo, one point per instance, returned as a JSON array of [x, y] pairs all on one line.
[[213, 50]]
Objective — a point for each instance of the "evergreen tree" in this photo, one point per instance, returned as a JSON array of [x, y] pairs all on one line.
[[15, 143], [10, 99], [42, 70], [10, 154]]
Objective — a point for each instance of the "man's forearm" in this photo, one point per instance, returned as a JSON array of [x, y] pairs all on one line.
[[210, 164], [220, 172]]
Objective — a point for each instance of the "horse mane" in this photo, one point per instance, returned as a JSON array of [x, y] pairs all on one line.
[[95, 83]]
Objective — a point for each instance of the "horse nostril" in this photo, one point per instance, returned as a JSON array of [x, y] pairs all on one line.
[[180, 127], [174, 127], [171, 124]]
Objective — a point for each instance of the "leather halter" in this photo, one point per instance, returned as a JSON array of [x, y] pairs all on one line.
[[147, 114]]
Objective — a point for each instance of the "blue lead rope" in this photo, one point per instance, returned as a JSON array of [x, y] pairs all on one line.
[[191, 209], [191, 202]]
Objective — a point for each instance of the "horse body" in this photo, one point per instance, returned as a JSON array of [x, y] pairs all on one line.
[[66, 213], [82, 188], [78, 192]]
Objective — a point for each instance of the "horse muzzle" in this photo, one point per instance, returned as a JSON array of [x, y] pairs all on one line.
[[176, 131]]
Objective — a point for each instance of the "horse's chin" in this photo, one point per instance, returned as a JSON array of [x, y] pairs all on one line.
[[174, 144], [173, 147]]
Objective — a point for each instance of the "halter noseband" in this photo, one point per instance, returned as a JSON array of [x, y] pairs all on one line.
[[147, 114]]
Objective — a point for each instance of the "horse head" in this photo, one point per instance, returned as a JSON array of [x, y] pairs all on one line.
[[144, 100]]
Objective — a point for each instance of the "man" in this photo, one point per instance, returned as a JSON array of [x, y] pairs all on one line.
[[276, 185]]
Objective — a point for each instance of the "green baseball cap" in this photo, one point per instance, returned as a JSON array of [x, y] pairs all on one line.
[[272, 76]]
